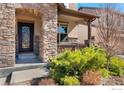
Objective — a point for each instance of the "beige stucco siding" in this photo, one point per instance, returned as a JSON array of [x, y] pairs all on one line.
[[82, 33], [73, 30], [121, 45]]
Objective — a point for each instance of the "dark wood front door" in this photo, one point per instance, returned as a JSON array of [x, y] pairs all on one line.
[[25, 36]]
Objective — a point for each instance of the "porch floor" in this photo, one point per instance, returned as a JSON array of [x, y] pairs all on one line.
[[26, 58]]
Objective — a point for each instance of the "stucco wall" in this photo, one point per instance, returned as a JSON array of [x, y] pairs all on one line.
[[73, 30], [121, 45], [7, 35], [79, 31], [82, 33]]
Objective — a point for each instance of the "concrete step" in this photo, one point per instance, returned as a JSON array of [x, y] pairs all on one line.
[[27, 58], [26, 61], [26, 55]]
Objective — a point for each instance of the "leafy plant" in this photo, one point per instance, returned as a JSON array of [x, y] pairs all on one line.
[[117, 66], [96, 58], [105, 73], [117, 61], [68, 63], [70, 80], [75, 63]]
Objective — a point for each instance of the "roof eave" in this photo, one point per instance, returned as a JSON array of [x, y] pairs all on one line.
[[63, 10]]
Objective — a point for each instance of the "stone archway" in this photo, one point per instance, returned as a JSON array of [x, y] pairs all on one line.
[[25, 17], [48, 40]]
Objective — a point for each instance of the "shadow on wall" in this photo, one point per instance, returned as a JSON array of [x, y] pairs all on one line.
[[36, 50]]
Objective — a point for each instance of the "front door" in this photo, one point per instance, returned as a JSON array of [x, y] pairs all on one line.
[[25, 36]]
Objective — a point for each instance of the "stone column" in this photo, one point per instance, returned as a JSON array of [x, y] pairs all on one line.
[[7, 34], [48, 46]]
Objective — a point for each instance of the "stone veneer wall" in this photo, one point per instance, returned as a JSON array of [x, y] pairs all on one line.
[[7, 35], [48, 42]]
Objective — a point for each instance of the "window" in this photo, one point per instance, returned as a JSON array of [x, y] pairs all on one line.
[[62, 35]]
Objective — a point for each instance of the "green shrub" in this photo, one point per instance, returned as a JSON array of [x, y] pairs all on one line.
[[115, 70], [75, 63], [70, 80], [68, 63], [96, 58], [117, 66], [105, 73], [117, 62]]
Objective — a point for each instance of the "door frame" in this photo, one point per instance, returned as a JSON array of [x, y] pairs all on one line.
[[31, 25]]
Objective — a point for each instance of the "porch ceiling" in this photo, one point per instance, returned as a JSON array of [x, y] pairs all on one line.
[[27, 11], [66, 18]]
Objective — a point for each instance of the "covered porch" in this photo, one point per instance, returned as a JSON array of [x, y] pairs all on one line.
[[74, 28]]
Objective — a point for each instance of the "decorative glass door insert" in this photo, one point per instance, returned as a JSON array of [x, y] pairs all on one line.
[[25, 36]]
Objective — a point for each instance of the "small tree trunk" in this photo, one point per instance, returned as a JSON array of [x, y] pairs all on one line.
[[108, 61]]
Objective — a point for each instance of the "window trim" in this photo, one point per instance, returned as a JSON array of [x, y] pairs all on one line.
[[59, 24]]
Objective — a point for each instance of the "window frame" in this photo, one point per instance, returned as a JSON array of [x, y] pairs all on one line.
[[59, 33]]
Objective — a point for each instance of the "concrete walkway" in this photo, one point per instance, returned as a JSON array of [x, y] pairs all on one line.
[[26, 58], [28, 66], [23, 72]]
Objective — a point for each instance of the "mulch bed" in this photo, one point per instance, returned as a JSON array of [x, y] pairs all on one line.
[[113, 80], [43, 81]]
